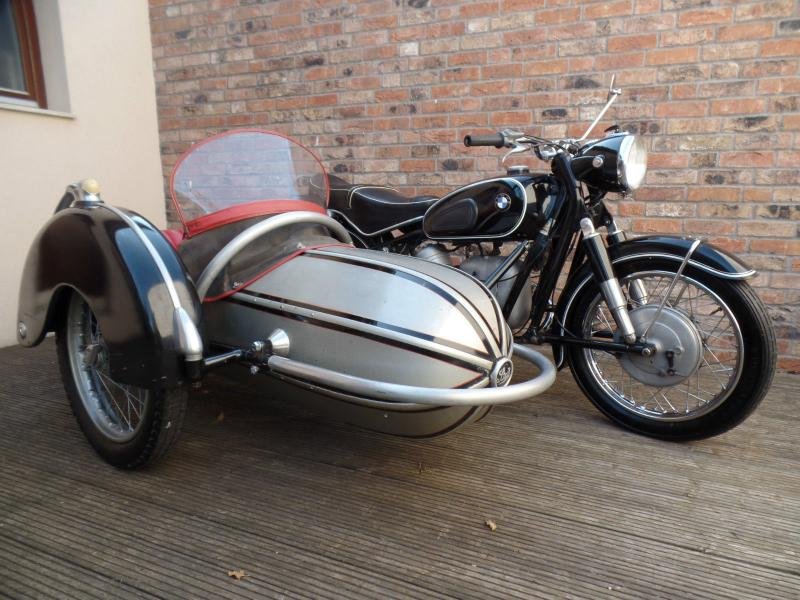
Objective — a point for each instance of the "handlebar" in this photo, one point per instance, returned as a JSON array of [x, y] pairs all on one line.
[[495, 139]]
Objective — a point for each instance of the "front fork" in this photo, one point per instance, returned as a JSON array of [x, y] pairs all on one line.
[[609, 284]]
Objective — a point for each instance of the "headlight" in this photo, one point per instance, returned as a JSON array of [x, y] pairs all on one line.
[[623, 165], [632, 162]]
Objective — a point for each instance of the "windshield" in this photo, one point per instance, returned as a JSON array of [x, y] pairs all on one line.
[[242, 174]]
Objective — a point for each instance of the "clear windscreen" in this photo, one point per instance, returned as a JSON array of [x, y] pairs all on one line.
[[246, 167]]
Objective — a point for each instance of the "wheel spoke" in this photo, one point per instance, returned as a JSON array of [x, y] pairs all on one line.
[[695, 393], [115, 409], [110, 396]]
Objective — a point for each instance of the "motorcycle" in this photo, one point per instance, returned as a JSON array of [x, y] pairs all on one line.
[[258, 276], [662, 333]]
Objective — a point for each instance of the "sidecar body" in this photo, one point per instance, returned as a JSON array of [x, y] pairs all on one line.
[[260, 276]]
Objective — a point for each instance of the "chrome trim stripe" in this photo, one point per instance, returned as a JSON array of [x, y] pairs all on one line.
[[507, 180], [185, 331], [162, 268], [398, 407], [383, 325], [380, 231], [464, 360], [693, 263], [474, 315], [383, 391]]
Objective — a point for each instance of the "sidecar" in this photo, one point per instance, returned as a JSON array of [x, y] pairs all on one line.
[[259, 276]]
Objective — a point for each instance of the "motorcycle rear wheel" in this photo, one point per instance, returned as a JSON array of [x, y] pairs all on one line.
[[128, 426], [719, 328]]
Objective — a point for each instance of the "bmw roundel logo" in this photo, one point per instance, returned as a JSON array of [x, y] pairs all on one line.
[[502, 372], [502, 201]]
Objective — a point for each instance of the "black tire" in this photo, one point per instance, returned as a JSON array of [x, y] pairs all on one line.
[[158, 421], [743, 382]]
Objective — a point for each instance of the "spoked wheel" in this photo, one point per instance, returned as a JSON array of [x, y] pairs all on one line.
[[128, 426], [713, 360]]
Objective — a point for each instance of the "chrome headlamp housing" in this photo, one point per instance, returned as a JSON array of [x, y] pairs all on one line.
[[621, 166]]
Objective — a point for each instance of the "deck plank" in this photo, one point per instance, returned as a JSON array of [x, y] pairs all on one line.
[[312, 508]]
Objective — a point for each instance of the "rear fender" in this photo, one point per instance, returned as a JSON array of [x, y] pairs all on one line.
[[133, 280], [706, 257]]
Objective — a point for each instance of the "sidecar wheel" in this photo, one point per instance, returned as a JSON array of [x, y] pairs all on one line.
[[128, 426], [722, 349]]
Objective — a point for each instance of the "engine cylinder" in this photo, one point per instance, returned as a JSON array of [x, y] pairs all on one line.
[[481, 267], [434, 253]]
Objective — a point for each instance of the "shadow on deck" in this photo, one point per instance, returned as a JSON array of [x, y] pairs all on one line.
[[309, 508]]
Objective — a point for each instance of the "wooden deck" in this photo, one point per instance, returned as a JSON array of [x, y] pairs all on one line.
[[308, 508]]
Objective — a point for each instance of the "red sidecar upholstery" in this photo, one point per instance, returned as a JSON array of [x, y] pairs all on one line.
[[174, 237], [249, 211]]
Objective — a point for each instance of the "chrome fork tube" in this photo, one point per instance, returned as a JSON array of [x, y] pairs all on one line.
[[609, 285], [636, 290]]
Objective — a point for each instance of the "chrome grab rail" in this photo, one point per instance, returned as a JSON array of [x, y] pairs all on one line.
[[255, 231], [394, 392]]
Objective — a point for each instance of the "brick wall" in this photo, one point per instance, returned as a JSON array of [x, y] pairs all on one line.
[[385, 90]]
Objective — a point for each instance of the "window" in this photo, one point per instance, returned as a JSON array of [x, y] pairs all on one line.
[[21, 78]]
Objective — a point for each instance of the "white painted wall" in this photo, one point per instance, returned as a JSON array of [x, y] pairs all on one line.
[[104, 79]]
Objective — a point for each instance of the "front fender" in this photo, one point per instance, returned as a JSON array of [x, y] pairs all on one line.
[[98, 251], [706, 257]]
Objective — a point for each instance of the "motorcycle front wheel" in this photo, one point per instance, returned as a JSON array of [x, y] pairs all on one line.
[[714, 353], [128, 426]]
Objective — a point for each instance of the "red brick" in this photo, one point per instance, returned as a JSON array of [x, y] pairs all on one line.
[[782, 247], [518, 117], [632, 42], [746, 159], [714, 194], [521, 5], [710, 227], [738, 106], [745, 31], [478, 9], [781, 47], [656, 226], [681, 109], [607, 9], [672, 56], [558, 15], [765, 9], [692, 18], [767, 229]]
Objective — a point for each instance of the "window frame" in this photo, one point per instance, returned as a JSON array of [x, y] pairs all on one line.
[[30, 54]]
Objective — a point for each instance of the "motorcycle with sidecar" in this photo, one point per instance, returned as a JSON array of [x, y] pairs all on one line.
[[260, 275]]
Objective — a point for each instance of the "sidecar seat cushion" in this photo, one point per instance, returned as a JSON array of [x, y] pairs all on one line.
[[248, 210], [174, 237]]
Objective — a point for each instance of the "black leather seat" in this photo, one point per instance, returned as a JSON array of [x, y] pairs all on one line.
[[375, 209]]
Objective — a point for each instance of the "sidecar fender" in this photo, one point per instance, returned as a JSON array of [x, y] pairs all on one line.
[[144, 301], [706, 257]]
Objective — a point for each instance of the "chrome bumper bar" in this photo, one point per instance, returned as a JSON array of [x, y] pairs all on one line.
[[393, 392]]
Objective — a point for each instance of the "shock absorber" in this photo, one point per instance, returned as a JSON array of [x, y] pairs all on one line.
[[609, 285], [636, 289]]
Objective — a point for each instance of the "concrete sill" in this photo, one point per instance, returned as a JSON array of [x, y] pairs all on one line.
[[36, 111]]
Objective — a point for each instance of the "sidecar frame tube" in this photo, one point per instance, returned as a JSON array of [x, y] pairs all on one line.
[[398, 393]]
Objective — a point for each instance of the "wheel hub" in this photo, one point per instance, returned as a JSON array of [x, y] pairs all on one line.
[[677, 347]]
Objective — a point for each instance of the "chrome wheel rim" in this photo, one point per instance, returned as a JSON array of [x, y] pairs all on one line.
[[720, 365], [116, 409]]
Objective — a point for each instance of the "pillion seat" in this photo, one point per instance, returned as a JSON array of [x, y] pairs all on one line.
[[375, 209]]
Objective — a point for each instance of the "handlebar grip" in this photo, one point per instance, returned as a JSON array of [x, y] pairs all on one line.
[[494, 139]]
